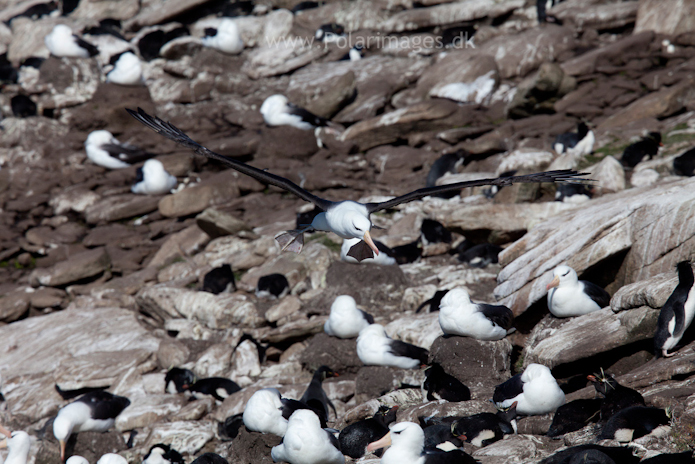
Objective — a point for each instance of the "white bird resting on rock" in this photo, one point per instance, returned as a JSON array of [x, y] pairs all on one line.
[[459, 316], [305, 442], [535, 391], [278, 111], [18, 443], [112, 458], [346, 320], [376, 348], [61, 42], [568, 296], [407, 446], [225, 37], [105, 150], [347, 219], [127, 69], [153, 179]]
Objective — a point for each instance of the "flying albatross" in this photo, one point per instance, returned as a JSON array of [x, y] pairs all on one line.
[[347, 219]]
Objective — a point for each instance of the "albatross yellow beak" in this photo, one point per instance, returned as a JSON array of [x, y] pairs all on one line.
[[62, 450], [553, 283], [5, 432], [368, 240], [384, 442]]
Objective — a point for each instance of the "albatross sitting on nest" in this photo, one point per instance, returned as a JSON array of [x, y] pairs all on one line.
[[347, 219]]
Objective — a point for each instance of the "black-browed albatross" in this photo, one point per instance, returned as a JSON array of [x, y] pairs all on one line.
[[347, 219]]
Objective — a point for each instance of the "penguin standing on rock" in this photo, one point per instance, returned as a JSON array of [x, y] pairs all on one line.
[[615, 396], [438, 385], [677, 313], [315, 397]]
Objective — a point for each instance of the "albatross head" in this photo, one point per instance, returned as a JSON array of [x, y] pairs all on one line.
[[563, 275], [358, 226]]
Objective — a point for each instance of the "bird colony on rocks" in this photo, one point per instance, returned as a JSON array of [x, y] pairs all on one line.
[[320, 232]]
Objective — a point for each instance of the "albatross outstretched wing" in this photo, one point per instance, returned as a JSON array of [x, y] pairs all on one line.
[[565, 176], [171, 132]]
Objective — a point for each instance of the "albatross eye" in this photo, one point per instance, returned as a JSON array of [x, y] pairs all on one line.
[[566, 273]]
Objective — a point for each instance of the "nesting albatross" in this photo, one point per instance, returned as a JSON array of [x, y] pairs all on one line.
[[347, 219]]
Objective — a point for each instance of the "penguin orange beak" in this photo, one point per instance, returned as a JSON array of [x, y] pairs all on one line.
[[368, 240], [384, 442], [553, 283], [62, 450]]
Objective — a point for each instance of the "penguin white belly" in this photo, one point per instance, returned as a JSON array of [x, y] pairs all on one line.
[[567, 302]]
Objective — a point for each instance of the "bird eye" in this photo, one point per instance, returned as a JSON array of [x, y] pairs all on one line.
[[563, 275], [397, 432]]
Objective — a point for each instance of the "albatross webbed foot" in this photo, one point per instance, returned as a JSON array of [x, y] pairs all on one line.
[[361, 251], [291, 240]]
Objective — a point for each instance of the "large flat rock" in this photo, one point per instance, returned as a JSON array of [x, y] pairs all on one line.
[[652, 225], [35, 352]]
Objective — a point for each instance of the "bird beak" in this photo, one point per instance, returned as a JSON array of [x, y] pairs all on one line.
[[553, 283], [384, 442], [368, 240], [5, 432], [62, 450], [591, 378], [462, 437], [3, 443]]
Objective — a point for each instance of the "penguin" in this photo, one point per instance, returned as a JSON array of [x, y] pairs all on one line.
[[684, 164], [229, 429], [220, 279], [434, 232], [677, 314], [448, 163], [178, 380], [620, 455], [438, 385], [441, 437], [615, 396], [578, 143], [485, 428], [480, 256], [162, 454], [272, 286], [217, 387], [210, 458], [355, 437], [635, 422], [315, 397], [647, 147], [573, 416]]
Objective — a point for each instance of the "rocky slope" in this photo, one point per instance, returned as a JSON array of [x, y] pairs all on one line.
[[100, 287]]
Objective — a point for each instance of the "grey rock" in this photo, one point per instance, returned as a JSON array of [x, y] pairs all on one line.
[[599, 16], [41, 345], [14, 304], [652, 292], [216, 190], [480, 365], [446, 409], [282, 58], [245, 360], [608, 174], [286, 307], [661, 104], [418, 329], [81, 266], [518, 55], [187, 437], [76, 199], [145, 410], [515, 448], [187, 241], [68, 81], [218, 223], [373, 381], [447, 13], [669, 17], [377, 78], [388, 128], [214, 362], [588, 335], [117, 207], [324, 350], [101, 369], [641, 221], [587, 62], [172, 353], [214, 311]]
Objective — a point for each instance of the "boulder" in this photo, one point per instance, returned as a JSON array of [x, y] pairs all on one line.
[[519, 55], [448, 13], [608, 174], [638, 222], [480, 365], [145, 410], [598, 16], [374, 381], [280, 58], [218, 189], [215, 311], [187, 242], [117, 207], [661, 104], [186, 437], [587, 62], [668, 17], [588, 335], [33, 351], [417, 329], [218, 223], [462, 76], [426, 116], [78, 267], [324, 350]]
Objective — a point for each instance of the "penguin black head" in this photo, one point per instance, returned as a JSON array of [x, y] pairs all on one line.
[[325, 372]]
